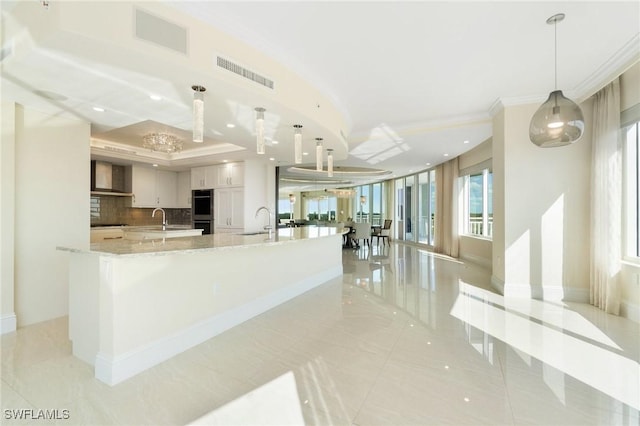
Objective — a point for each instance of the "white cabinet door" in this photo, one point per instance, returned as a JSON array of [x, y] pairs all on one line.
[[166, 188], [231, 174], [229, 208], [184, 190], [153, 188], [143, 187], [204, 177], [237, 208], [198, 177]]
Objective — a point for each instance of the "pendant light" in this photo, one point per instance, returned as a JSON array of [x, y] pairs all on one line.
[[260, 130], [319, 154], [297, 143], [559, 120], [198, 113], [292, 201], [329, 162]]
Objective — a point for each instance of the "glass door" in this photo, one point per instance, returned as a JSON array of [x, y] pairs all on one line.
[[400, 207]]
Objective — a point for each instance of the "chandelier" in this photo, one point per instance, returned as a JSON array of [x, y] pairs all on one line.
[[162, 142]]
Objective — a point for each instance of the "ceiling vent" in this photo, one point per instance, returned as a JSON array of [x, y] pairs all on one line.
[[158, 31], [120, 150], [242, 71]]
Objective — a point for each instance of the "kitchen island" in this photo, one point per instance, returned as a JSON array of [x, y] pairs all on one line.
[[134, 304]]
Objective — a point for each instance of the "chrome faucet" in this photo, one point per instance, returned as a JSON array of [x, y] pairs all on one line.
[[268, 227], [164, 217]]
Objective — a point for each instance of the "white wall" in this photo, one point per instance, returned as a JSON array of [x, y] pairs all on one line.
[[630, 87], [52, 162], [7, 215], [541, 208]]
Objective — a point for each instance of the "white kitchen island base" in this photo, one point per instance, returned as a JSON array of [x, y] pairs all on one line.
[[131, 310]]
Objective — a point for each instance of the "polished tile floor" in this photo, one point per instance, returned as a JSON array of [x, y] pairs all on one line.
[[404, 337]]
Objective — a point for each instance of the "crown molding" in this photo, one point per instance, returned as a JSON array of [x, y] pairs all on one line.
[[619, 62], [502, 103]]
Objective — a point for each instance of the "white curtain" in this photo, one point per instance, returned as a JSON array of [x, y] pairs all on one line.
[[606, 200], [389, 207], [446, 224]]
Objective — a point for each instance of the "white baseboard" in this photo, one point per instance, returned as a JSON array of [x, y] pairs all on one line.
[[8, 323], [113, 370], [478, 260], [497, 284], [630, 311], [549, 293]]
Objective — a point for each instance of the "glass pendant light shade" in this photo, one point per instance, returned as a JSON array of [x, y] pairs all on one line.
[[198, 113], [558, 122], [329, 163], [260, 130], [297, 143], [319, 154]]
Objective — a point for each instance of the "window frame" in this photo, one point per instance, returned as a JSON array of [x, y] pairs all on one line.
[[486, 224], [631, 193]]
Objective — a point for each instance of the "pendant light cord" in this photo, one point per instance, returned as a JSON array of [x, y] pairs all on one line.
[[555, 59]]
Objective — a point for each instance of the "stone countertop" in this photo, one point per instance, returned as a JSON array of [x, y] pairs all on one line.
[[139, 227], [203, 242]]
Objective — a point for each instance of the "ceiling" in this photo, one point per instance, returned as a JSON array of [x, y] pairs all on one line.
[[397, 86]]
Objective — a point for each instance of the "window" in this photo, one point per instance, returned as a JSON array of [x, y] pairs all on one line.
[[321, 208], [632, 189], [426, 206], [478, 204], [284, 209], [368, 203]]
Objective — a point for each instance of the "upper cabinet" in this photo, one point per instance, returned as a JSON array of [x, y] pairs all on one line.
[[231, 174], [152, 187], [204, 177], [219, 176], [184, 190]]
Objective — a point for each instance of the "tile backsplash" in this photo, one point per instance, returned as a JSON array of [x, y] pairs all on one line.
[[111, 210]]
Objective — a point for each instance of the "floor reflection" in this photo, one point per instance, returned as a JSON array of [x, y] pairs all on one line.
[[403, 337], [566, 347]]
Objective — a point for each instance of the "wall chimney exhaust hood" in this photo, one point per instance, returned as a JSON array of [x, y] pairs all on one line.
[[107, 179]]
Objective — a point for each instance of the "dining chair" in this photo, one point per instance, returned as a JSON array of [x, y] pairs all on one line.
[[362, 232], [385, 232]]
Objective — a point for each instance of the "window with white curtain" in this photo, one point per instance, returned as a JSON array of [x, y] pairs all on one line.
[[631, 204]]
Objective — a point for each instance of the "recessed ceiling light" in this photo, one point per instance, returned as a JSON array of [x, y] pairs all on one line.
[[305, 153], [465, 142], [155, 97], [428, 164], [225, 161], [154, 165], [272, 159], [98, 109], [274, 142], [446, 155], [231, 125]]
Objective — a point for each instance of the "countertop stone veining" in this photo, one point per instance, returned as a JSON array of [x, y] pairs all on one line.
[[202, 243]]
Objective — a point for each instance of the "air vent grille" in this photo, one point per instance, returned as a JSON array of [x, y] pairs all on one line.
[[242, 71], [120, 150]]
